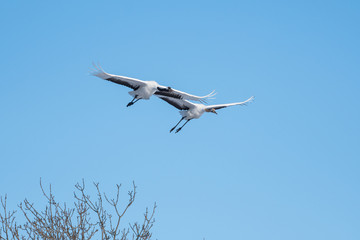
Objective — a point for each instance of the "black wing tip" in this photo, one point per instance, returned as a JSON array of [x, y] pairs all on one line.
[[168, 94]]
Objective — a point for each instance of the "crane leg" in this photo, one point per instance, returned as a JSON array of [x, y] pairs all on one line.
[[182, 126], [177, 124], [132, 101]]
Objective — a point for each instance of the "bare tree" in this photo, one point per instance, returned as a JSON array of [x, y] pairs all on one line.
[[87, 219]]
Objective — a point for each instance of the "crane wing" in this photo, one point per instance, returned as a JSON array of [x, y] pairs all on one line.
[[219, 106], [178, 103], [125, 81], [170, 92]]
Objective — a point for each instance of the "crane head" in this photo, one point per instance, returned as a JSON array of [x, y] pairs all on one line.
[[211, 110]]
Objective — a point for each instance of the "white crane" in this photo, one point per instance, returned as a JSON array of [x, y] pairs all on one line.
[[189, 110], [145, 89]]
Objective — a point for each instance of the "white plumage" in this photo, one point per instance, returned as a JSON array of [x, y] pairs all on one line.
[[145, 89]]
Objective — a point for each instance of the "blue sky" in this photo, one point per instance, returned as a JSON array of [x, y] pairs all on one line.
[[284, 167]]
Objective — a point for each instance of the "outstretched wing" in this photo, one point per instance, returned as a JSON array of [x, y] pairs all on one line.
[[125, 81], [219, 106], [173, 93], [178, 103]]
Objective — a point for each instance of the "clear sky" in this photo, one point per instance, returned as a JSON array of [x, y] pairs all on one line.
[[284, 167]]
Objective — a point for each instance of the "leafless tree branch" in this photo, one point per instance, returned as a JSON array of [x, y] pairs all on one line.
[[88, 219]]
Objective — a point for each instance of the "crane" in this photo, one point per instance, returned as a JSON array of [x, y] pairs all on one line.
[[145, 89], [189, 110]]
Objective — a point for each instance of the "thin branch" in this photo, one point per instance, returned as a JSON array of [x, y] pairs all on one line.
[[58, 221]]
